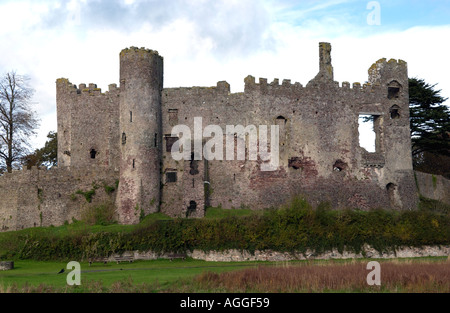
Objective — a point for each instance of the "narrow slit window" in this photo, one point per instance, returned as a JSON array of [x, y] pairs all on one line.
[[131, 117], [281, 121], [134, 163]]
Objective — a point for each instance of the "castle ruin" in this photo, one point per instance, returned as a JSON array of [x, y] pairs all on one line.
[[117, 145]]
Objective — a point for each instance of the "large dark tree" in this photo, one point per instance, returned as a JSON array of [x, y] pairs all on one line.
[[430, 126], [46, 156], [17, 121]]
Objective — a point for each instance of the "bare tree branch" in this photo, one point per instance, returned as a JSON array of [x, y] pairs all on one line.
[[17, 120]]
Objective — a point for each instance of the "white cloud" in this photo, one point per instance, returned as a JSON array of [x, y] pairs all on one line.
[[201, 44]]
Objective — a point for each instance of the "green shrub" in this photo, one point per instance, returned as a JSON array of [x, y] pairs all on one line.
[[296, 227], [87, 194], [109, 189], [434, 206], [103, 214]]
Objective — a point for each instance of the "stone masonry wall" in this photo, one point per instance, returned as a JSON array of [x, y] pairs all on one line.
[[88, 125], [320, 153], [33, 198], [275, 256], [434, 187]]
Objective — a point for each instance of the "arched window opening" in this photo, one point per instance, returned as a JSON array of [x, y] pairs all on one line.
[[394, 196], [191, 208], [281, 121], [339, 166], [394, 111], [193, 167], [394, 89]]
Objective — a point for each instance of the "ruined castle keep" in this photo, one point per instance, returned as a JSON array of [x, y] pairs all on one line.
[[115, 147]]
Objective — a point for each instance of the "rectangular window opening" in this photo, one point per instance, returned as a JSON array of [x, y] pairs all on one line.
[[171, 177], [368, 137], [173, 116], [169, 142], [393, 92]]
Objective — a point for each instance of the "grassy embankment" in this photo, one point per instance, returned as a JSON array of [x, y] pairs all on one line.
[[295, 226]]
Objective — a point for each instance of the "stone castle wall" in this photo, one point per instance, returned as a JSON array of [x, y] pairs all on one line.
[[434, 187], [33, 198], [88, 123], [318, 133], [125, 134]]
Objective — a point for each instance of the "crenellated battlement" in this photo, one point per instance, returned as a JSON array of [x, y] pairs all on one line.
[[383, 71], [65, 86], [287, 87], [142, 51], [271, 88], [361, 88], [221, 89], [264, 87]]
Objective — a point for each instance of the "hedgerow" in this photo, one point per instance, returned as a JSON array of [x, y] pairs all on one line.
[[294, 228]]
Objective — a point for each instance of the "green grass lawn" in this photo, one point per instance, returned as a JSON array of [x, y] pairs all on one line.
[[160, 273]]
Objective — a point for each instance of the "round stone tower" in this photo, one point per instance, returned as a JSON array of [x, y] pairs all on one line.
[[141, 83]]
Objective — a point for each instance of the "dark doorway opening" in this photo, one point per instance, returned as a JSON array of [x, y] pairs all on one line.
[[192, 208]]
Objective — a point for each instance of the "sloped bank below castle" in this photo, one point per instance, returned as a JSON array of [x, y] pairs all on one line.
[[295, 231]]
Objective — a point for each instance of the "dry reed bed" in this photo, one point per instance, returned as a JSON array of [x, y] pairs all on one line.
[[350, 277]]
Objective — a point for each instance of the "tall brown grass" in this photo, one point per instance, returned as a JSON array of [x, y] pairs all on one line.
[[410, 277]]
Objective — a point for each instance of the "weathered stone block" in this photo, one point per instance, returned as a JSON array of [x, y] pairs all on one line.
[[6, 265]]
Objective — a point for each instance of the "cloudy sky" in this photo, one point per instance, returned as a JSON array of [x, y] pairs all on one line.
[[203, 41]]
